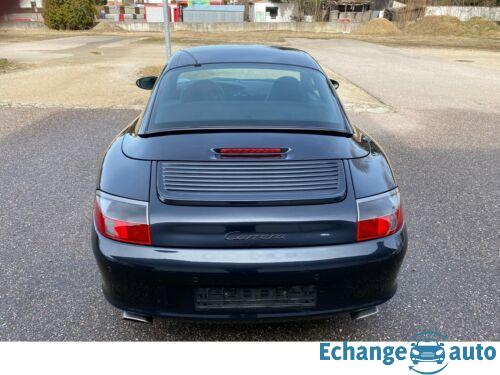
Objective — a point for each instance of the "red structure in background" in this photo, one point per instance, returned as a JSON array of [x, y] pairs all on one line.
[[7, 6]]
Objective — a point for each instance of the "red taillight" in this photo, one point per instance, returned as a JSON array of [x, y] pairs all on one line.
[[122, 219], [379, 216]]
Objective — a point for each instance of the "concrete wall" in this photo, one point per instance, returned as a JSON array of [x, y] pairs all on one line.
[[314, 27], [19, 25], [465, 13], [25, 16]]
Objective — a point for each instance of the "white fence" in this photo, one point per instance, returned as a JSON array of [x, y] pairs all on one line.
[[465, 13]]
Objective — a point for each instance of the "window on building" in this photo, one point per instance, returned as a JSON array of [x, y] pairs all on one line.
[[273, 12]]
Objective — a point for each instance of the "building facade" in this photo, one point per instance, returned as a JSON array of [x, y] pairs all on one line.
[[271, 12]]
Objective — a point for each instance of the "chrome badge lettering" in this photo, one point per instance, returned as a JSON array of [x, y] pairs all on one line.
[[238, 236]]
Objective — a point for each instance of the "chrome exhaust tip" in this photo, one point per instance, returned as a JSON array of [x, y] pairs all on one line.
[[365, 313], [127, 315]]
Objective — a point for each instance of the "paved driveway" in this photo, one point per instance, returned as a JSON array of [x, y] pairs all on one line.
[[443, 140], [50, 49]]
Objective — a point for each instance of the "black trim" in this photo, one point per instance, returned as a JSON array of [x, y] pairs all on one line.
[[245, 130]]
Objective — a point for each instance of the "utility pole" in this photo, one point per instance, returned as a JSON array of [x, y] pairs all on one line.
[[117, 5], [167, 29]]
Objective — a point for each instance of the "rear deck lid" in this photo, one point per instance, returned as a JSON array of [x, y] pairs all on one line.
[[199, 146], [253, 182], [203, 200]]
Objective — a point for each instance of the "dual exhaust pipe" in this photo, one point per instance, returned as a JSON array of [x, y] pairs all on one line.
[[357, 315]]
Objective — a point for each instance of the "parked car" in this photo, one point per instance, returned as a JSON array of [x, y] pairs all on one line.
[[243, 191], [427, 351]]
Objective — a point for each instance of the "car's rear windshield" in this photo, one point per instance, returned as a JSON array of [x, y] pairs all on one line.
[[245, 96]]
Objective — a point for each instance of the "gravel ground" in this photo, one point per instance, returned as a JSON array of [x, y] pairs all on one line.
[[445, 155]]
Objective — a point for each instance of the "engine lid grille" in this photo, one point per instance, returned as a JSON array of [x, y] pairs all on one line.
[[252, 182]]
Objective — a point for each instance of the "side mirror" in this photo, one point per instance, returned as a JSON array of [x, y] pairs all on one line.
[[335, 84], [146, 83], [413, 344], [441, 344]]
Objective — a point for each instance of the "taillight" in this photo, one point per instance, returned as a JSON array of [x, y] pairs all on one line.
[[250, 152], [121, 219], [379, 216]]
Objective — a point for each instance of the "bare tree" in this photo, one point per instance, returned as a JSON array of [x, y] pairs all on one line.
[[312, 8]]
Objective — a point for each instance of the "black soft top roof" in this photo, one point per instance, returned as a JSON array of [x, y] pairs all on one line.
[[242, 54]]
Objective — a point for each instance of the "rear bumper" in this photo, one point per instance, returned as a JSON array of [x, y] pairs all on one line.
[[161, 281]]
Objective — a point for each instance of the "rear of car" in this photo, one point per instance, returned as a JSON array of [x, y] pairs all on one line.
[[243, 192]]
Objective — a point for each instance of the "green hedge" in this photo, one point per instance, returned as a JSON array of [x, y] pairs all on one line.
[[69, 14]]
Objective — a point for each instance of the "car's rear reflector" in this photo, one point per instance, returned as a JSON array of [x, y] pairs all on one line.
[[379, 216], [121, 219]]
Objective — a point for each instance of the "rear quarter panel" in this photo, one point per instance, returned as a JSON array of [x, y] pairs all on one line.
[[123, 176], [372, 174]]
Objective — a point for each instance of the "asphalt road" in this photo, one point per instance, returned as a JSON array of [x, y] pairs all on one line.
[[443, 141]]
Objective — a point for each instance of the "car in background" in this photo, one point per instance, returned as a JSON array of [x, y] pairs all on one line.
[[244, 192]]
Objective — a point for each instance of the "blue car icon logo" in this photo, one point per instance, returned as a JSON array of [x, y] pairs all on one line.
[[427, 351]]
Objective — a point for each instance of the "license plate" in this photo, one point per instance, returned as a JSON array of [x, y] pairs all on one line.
[[255, 298]]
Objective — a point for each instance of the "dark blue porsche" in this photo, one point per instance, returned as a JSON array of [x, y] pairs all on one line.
[[243, 192]]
